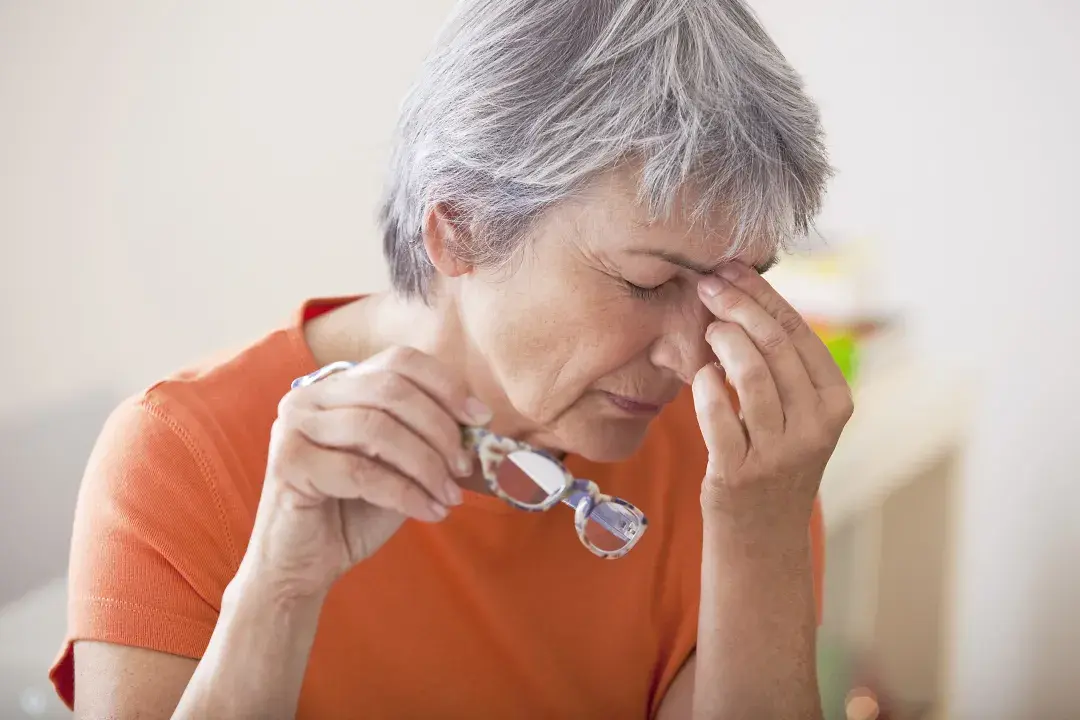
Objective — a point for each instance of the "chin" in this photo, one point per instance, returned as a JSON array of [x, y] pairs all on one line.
[[600, 436], [609, 444]]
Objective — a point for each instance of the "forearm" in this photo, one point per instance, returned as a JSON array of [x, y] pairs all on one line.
[[756, 631], [255, 662]]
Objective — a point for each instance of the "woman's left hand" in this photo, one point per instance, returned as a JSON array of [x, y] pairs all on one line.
[[765, 466]]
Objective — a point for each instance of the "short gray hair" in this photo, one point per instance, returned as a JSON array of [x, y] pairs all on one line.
[[523, 102]]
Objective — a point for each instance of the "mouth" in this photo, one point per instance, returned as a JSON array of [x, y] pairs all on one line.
[[635, 406]]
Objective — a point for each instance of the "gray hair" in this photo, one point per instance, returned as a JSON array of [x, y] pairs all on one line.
[[523, 102]]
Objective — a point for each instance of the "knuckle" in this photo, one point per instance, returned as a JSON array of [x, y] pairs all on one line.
[[791, 322], [365, 477], [375, 483], [730, 301], [369, 424], [278, 430], [288, 406], [844, 409], [839, 403], [773, 341], [401, 355], [755, 373], [403, 495], [361, 471], [433, 464], [393, 388], [430, 469], [285, 452]]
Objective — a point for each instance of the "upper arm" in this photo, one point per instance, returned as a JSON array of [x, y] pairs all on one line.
[[117, 681], [150, 559]]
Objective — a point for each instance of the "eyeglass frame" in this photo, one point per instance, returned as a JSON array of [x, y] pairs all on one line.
[[582, 495]]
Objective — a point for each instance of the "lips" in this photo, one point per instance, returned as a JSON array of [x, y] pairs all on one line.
[[636, 406]]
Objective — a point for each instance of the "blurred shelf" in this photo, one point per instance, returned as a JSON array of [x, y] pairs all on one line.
[[888, 497], [907, 417]]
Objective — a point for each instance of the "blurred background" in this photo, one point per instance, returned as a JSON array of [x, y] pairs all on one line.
[[176, 177]]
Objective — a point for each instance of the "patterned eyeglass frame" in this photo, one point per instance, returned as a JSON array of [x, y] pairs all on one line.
[[582, 495]]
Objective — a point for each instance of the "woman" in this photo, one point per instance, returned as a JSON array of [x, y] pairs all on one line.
[[581, 201]]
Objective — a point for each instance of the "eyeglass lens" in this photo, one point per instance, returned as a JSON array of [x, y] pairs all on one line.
[[530, 478], [611, 527]]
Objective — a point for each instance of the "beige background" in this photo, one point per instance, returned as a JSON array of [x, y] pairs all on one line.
[[176, 177]]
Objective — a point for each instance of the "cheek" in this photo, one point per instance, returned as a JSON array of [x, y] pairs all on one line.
[[546, 348], [625, 331]]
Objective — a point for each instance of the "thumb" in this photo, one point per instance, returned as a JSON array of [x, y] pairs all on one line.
[[724, 434]]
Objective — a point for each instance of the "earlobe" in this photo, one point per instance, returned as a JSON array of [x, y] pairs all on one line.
[[444, 238]]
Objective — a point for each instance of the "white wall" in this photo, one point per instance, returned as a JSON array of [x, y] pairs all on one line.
[[174, 177], [177, 176]]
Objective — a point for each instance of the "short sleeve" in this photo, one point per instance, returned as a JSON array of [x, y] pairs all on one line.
[[151, 553]]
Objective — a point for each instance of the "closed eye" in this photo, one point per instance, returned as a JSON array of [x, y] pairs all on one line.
[[645, 293]]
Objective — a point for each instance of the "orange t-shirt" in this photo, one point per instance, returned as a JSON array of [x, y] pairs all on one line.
[[492, 613]]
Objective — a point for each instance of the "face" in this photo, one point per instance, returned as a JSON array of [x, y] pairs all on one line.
[[580, 341]]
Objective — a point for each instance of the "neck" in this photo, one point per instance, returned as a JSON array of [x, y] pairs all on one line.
[[380, 321], [366, 327]]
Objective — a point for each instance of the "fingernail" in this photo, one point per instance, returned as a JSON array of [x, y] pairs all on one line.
[[453, 493], [732, 271], [711, 286], [438, 510], [463, 466], [477, 411]]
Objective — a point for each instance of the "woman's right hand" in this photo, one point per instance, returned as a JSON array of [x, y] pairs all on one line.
[[351, 456]]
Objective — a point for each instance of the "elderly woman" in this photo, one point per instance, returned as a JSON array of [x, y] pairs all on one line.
[[583, 197]]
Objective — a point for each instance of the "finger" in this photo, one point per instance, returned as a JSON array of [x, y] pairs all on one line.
[[319, 473], [386, 488], [820, 366], [398, 396], [728, 302], [382, 437], [431, 376], [724, 434], [750, 374]]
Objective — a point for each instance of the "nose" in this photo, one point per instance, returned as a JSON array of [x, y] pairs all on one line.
[[681, 347]]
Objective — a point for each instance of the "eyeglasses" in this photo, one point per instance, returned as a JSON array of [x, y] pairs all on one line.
[[530, 479]]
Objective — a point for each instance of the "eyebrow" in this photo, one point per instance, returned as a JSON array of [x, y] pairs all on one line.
[[682, 261]]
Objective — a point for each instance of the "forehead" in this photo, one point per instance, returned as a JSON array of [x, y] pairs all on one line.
[[616, 223]]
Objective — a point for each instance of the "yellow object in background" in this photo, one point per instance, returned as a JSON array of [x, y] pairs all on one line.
[[845, 351], [843, 343]]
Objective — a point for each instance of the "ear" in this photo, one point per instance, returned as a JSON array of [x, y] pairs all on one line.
[[443, 233]]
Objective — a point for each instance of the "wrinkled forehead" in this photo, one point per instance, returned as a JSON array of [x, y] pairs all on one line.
[[701, 246], [689, 233]]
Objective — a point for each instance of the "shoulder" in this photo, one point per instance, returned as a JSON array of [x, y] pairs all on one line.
[[167, 504], [191, 449], [226, 407]]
